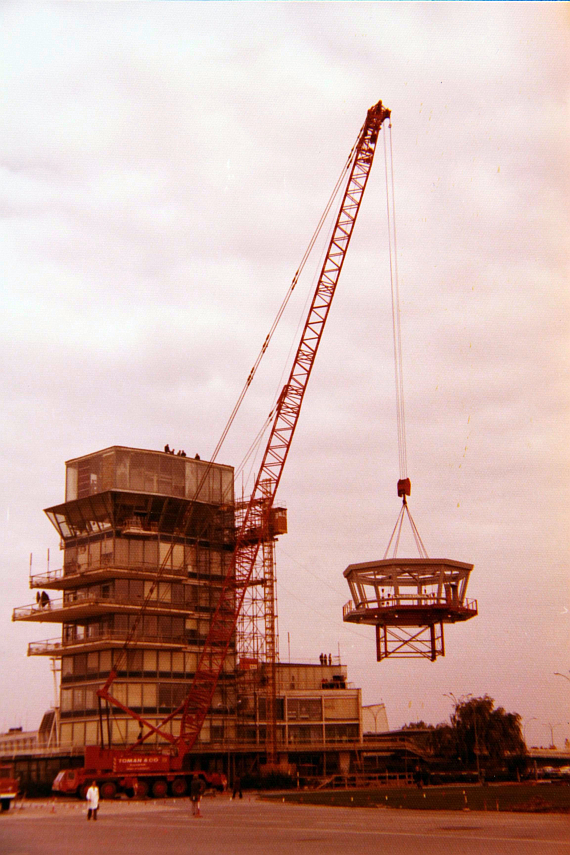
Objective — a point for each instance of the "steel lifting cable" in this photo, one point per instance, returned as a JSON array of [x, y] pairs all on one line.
[[395, 292], [397, 531], [403, 484]]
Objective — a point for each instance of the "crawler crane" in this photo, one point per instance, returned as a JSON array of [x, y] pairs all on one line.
[[159, 771]]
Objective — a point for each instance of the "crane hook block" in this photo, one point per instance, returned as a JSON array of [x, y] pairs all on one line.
[[404, 487]]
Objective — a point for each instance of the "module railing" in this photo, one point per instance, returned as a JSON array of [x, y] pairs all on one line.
[[410, 600]]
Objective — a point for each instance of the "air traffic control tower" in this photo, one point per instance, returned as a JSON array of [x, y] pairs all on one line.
[[128, 516]]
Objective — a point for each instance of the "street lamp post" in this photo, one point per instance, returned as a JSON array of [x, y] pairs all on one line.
[[551, 726], [453, 698], [558, 674], [528, 721]]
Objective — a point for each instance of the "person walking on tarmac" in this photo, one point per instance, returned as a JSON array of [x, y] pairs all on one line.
[[92, 797], [196, 791]]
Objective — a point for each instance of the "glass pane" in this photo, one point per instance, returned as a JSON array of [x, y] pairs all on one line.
[[191, 662], [148, 587], [66, 700], [151, 552], [178, 662], [135, 660], [122, 552], [135, 694], [122, 470], [149, 695], [164, 661], [105, 661], [136, 552], [136, 474], [90, 698], [71, 483], [79, 733], [150, 661], [164, 595], [165, 554], [177, 555], [177, 592], [91, 733]]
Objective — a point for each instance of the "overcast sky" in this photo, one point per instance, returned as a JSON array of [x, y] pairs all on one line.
[[163, 168]]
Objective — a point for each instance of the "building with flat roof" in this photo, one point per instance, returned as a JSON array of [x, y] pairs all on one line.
[[132, 517]]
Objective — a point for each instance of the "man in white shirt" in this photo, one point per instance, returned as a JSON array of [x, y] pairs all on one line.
[[92, 797]]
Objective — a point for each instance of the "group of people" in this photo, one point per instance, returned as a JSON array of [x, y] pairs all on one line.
[[325, 660], [181, 453], [169, 450]]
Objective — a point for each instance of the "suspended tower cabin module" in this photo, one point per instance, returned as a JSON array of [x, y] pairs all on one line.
[[407, 600]]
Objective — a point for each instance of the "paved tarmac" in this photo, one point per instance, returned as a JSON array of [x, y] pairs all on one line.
[[255, 827]]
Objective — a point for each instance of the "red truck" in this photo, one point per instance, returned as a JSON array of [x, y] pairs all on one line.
[[9, 787], [135, 774]]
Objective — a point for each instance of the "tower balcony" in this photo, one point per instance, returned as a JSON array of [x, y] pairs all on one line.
[[73, 575], [102, 641], [70, 608]]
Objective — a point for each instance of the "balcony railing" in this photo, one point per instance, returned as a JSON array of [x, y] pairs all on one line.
[[42, 580], [73, 570], [57, 646], [111, 603]]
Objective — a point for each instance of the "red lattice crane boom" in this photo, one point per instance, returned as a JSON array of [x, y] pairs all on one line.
[[256, 517], [279, 443]]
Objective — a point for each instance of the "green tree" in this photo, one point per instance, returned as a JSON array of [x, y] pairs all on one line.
[[485, 733]]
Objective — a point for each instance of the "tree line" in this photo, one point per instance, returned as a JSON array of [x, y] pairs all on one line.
[[478, 735]]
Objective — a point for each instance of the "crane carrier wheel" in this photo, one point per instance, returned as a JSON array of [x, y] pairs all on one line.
[[159, 789], [108, 790], [179, 787]]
